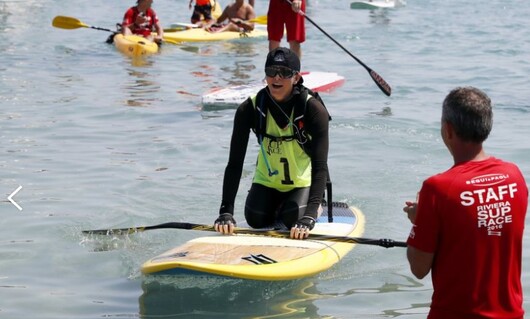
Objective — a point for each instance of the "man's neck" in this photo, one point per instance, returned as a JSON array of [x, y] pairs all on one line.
[[469, 152]]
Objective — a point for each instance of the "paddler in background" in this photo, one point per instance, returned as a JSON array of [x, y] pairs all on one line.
[[142, 20], [237, 13], [283, 17], [201, 11], [292, 128]]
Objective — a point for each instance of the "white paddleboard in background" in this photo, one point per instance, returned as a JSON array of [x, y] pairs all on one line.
[[377, 4], [177, 25], [232, 96]]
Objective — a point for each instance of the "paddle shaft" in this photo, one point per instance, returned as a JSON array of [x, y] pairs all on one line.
[[387, 243], [70, 23], [381, 83], [102, 29]]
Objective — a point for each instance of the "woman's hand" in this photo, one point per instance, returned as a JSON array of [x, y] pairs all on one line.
[[225, 224], [302, 227]]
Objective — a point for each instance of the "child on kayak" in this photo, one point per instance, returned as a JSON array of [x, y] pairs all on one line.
[[142, 20]]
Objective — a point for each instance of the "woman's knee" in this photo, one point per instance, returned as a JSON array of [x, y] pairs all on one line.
[[257, 218]]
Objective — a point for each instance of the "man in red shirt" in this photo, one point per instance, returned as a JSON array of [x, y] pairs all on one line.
[[283, 16], [142, 20], [468, 221]]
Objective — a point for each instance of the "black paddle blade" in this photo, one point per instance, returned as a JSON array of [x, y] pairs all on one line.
[[381, 83]]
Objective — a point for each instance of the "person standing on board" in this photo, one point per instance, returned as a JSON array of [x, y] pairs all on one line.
[[202, 8], [237, 13], [292, 129], [283, 16], [142, 20], [468, 221]]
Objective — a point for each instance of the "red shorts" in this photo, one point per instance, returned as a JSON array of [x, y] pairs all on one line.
[[280, 16]]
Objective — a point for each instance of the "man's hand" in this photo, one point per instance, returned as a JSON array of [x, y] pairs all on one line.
[[410, 209], [297, 5]]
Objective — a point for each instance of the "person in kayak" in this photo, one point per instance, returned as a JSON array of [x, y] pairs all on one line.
[[142, 20], [292, 129], [468, 221], [238, 15]]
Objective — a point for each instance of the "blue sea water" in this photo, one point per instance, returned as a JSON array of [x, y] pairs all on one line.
[[99, 141]]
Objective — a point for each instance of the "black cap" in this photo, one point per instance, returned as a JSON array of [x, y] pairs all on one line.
[[283, 57]]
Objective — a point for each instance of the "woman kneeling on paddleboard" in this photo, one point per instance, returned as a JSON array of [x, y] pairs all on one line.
[[292, 128]]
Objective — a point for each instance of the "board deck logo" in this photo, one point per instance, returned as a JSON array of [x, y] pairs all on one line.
[[260, 259]]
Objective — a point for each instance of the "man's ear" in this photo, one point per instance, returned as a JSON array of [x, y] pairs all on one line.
[[448, 129]]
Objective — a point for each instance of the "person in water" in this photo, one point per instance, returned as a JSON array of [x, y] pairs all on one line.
[[468, 222]]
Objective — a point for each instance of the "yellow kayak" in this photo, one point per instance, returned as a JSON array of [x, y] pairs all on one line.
[[201, 35], [134, 45]]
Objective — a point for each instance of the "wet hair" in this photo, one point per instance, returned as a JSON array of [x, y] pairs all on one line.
[[469, 111]]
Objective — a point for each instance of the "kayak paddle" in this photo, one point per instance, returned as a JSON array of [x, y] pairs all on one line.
[[259, 20], [387, 243], [70, 23]]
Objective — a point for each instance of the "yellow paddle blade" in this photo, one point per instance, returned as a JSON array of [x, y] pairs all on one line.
[[68, 23], [259, 20], [171, 41]]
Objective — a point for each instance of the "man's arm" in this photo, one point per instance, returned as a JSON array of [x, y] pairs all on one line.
[[420, 262]]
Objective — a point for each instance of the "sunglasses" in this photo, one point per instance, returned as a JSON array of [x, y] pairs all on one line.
[[283, 72]]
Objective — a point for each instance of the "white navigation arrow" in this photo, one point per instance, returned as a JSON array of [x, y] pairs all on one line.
[[10, 198]]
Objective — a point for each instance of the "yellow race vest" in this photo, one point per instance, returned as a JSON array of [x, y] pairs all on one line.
[[286, 157]]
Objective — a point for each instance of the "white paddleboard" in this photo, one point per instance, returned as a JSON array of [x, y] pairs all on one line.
[[262, 257], [232, 96], [183, 25], [376, 4]]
